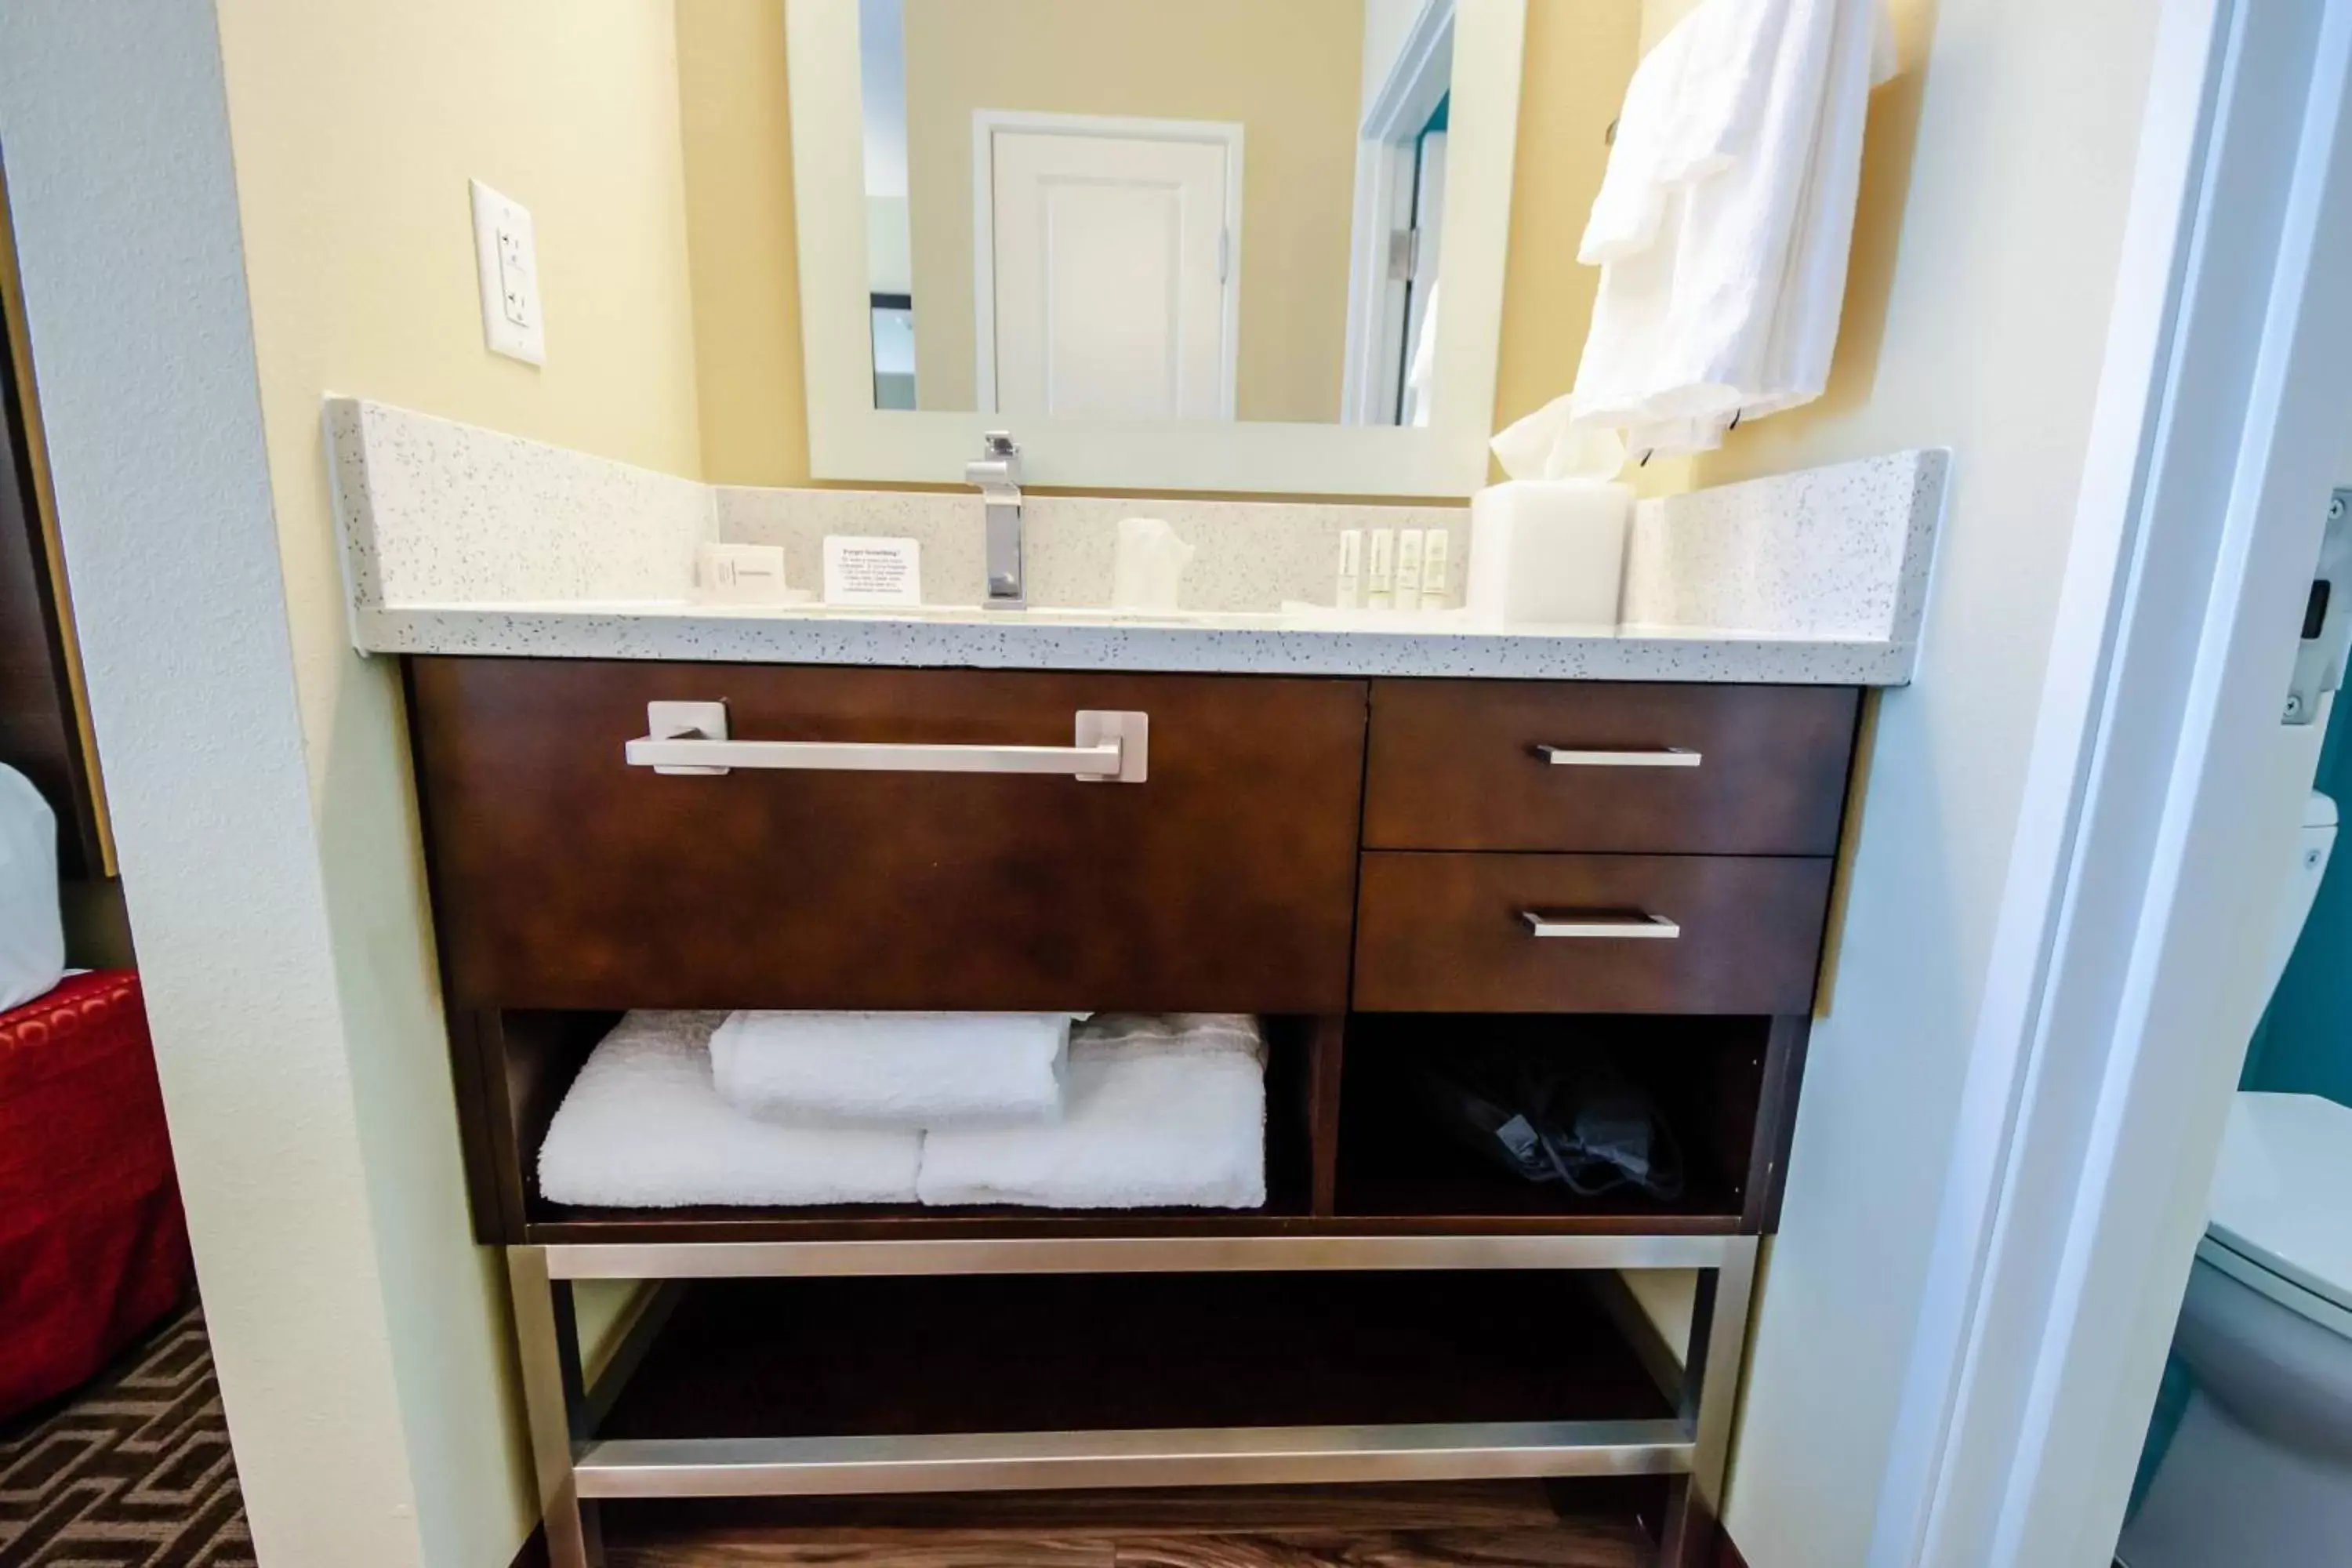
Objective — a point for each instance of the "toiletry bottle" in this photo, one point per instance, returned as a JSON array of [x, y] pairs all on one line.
[[1379, 594], [1407, 586], [1434, 564], [1352, 569]]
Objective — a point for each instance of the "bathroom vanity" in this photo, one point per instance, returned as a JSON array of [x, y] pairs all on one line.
[[1393, 841], [1384, 871]]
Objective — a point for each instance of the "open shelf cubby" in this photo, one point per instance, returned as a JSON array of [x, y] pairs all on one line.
[[1395, 1157], [1351, 1146]]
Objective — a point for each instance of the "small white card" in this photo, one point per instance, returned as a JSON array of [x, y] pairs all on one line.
[[740, 574], [872, 570]]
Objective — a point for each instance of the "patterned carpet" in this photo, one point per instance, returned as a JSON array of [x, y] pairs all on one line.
[[132, 1472]]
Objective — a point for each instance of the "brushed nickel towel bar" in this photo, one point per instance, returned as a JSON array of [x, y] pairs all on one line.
[[691, 738]]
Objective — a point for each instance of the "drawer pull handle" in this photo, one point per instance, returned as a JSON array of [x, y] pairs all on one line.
[[1600, 926], [1661, 757], [691, 738]]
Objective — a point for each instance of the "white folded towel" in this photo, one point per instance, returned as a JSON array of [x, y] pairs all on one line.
[[1160, 1113], [642, 1127], [892, 1069]]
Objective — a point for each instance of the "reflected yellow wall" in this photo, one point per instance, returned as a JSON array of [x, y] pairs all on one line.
[[735, 125], [738, 160], [1290, 74]]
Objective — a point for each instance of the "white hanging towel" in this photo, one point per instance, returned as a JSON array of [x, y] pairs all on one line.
[[32, 926], [1723, 223]]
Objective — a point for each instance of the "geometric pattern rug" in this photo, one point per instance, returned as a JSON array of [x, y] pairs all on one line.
[[132, 1471]]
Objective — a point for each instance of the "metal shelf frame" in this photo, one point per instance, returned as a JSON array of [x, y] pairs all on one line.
[[575, 1470]]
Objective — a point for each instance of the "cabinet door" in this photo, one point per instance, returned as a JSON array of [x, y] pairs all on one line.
[[565, 877]]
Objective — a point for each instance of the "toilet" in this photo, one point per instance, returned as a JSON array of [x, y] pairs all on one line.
[[2258, 1473]]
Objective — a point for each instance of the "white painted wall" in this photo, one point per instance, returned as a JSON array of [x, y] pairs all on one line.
[[125, 203], [226, 211], [1976, 320]]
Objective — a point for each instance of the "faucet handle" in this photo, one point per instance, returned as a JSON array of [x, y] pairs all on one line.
[[999, 462]]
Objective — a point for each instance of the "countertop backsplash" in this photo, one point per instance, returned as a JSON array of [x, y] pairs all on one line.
[[462, 540]]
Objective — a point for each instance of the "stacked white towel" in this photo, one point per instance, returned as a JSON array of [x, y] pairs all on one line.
[[1723, 223], [643, 1127], [1153, 1111], [892, 1069], [1160, 1111]]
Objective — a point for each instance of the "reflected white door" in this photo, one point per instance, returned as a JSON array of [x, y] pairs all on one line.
[[1109, 270]]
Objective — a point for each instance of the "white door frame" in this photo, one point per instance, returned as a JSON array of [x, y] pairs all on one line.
[[2121, 990], [987, 122]]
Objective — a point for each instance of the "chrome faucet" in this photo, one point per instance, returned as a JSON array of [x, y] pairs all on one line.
[[997, 472]]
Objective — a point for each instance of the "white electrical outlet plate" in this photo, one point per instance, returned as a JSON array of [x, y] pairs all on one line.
[[506, 252]]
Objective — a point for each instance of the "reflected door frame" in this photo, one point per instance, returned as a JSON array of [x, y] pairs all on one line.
[[987, 123], [1382, 253]]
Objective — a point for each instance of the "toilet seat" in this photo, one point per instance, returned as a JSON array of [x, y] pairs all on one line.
[[2215, 1254], [2280, 1203]]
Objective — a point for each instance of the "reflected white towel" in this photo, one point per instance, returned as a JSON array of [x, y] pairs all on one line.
[[1161, 1112], [1724, 223], [892, 1069], [32, 927], [642, 1127]]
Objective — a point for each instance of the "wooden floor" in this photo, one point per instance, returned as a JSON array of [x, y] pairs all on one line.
[[1481, 1525]]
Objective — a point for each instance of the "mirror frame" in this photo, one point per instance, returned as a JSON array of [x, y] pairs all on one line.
[[850, 439]]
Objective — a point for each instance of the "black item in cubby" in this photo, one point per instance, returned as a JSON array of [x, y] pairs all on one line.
[[1399, 1154], [1554, 1117]]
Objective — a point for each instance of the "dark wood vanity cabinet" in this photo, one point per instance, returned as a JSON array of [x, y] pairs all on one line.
[[1402, 866]]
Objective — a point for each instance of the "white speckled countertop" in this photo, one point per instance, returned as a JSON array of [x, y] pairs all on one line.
[[459, 541]]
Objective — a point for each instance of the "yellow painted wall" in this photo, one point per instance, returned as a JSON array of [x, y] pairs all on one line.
[[1580, 57], [1290, 74], [1659, 17], [1580, 54], [355, 126]]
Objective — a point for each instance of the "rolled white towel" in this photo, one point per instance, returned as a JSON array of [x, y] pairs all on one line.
[[642, 1127], [892, 1069], [1160, 1113]]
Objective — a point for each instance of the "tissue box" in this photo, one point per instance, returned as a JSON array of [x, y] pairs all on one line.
[[1549, 551]]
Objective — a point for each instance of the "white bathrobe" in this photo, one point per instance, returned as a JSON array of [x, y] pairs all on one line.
[[1723, 223]]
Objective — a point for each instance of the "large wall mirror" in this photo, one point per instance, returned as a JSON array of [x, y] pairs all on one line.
[[1208, 244]]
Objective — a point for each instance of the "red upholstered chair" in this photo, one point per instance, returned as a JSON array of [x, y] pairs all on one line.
[[93, 1249]]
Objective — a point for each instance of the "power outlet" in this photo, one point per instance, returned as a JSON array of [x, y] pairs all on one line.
[[505, 253]]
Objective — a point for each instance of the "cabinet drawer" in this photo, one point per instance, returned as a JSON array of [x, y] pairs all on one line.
[[1621, 933], [565, 878], [1716, 770]]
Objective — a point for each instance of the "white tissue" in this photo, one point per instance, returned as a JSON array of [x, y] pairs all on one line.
[[1545, 446]]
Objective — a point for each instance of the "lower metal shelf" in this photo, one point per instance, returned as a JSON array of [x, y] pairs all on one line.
[[849, 1419], [1197, 1457], [1133, 1254]]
